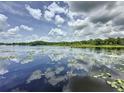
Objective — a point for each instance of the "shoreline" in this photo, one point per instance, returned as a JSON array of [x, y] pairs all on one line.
[[78, 46], [98, 46]]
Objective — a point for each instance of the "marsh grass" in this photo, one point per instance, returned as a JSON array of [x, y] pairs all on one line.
[[98, 46]]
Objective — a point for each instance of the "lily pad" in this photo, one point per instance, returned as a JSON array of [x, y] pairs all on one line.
[[117, 84]]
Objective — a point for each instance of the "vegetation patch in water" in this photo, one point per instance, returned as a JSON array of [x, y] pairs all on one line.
[[102, 75], [6, 57], [121, 69], [118, 84]]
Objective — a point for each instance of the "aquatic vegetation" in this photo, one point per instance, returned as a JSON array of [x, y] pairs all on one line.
[[56, 65], [103, 75], [6, 57], [117, 84], [121, 69]]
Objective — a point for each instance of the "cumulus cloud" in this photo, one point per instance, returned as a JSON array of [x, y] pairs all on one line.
[[116, 34], [102, 31], [59, 20], [56, 32], [54, 7], [78, 24], [3, 18], [73, 20], [14, 30], [3, 22], [20, 28], [27, 28], [105, 19], [52, 10], [48, 15], [35, 13]]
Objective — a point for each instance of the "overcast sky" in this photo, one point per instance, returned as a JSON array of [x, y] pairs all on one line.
[[60, 21]]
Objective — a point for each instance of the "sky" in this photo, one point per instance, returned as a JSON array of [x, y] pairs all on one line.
[[56, 21]]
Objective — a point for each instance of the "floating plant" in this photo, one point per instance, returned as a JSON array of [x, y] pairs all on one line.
[[120, 69], [117, 84], [103, 75]]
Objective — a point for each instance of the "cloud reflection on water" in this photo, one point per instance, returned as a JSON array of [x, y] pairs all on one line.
[[68, 62]]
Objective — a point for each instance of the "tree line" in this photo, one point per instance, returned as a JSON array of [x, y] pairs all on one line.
[[108, 41]]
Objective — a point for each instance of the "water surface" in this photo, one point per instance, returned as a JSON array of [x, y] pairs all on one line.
[[50, 68]]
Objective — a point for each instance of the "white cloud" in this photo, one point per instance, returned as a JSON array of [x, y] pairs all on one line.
[[106, 22], [56, 32], [54, 7], [35, 13], [93, 31], [26, 27], [116, 34], [14, 30], [3, 18], [52, 10], [59, 20], [3, 22], [20, 28], [48, 15], [79, 23], [71, 14]]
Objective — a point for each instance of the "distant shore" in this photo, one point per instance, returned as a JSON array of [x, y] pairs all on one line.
[[98, 46], [81, 46], [92, 43]]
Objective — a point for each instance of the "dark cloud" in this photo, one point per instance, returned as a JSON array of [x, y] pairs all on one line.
[[119, 20], [103, 18], [111, 5], [87, 6], [103, 9]]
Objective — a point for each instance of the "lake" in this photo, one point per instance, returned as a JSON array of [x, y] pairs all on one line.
[[52, 68]]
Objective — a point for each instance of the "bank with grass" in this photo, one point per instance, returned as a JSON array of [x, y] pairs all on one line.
[[92, 43]]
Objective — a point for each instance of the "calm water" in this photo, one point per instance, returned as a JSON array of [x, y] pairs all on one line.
[[49, 68]]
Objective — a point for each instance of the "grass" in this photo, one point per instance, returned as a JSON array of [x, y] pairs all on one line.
[[97, 46]]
